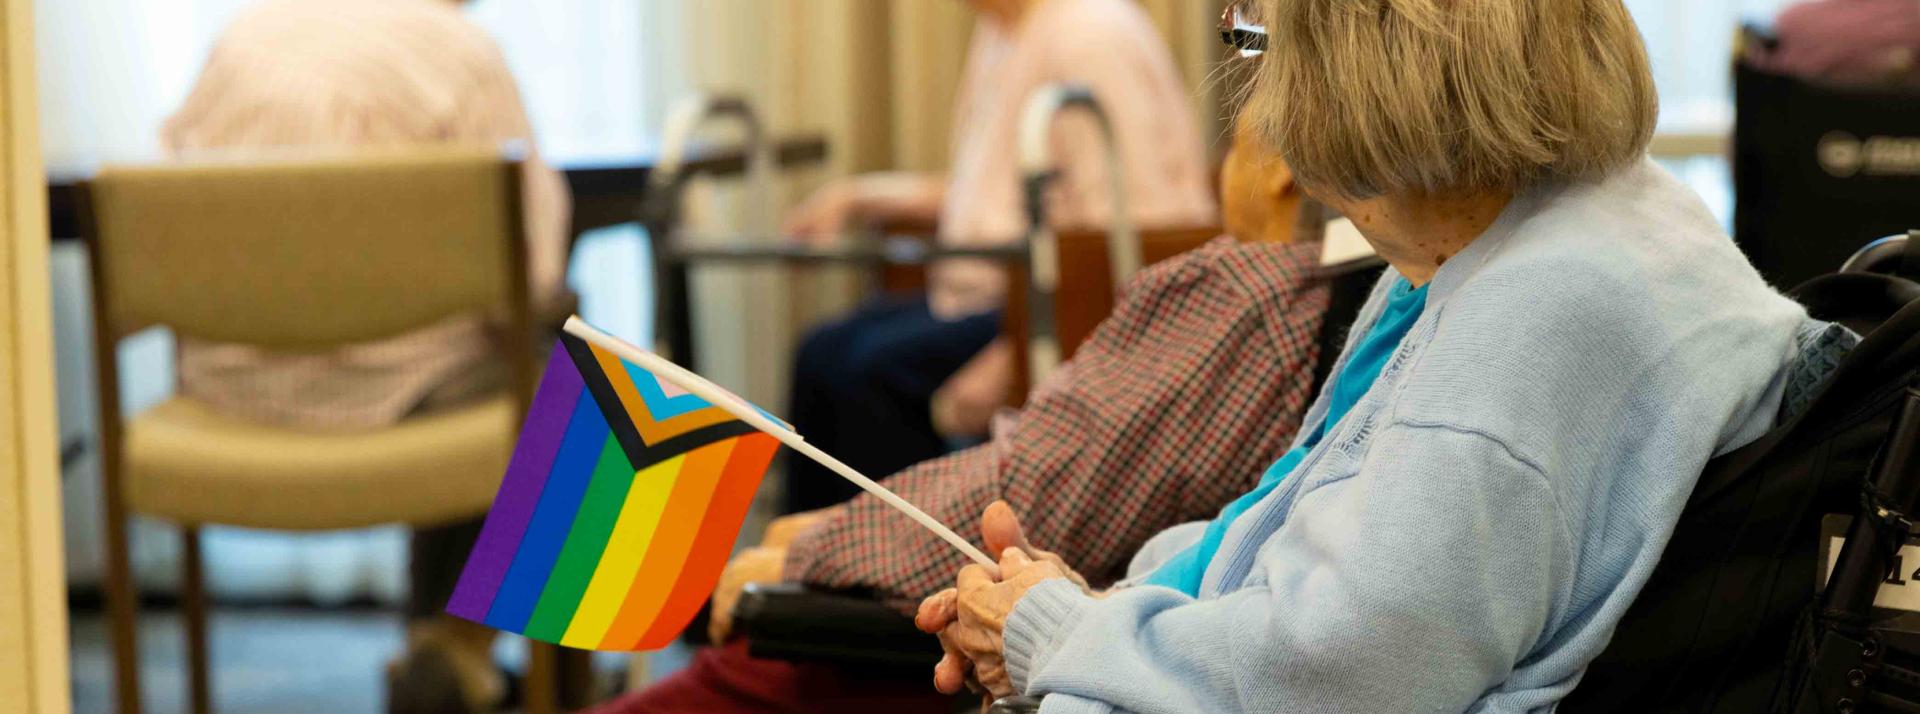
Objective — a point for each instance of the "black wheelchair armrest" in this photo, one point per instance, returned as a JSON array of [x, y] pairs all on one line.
[[1015, 705], [791, 622]]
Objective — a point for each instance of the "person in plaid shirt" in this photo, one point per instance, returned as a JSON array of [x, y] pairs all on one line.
[[1174, 406]]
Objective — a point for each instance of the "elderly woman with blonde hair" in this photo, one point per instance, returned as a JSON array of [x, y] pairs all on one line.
[[1564, 339]]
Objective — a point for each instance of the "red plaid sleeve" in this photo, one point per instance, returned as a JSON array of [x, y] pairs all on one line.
[[1172, 408]]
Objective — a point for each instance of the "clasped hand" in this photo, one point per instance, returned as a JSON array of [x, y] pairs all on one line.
[[970, 617]]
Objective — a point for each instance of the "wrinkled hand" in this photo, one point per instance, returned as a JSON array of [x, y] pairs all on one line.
[[753, 565], [856, 200], [781, 531], [970, 617], [976, 614], [825, 215], [1001, 530], [965, 404]]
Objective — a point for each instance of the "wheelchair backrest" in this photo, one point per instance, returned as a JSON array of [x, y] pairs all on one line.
[[1819, 170]]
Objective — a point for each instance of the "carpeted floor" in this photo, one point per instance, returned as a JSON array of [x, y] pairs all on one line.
[[273, 661], [265, 661]]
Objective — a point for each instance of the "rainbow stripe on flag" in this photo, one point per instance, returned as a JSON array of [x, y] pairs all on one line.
[[618, 510]]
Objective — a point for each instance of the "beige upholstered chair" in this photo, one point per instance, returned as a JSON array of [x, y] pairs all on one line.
[[299, 254]]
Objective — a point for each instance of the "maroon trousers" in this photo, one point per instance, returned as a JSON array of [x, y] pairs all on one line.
[[725, 679]]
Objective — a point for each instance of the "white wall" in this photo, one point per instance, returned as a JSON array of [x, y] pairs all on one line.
[[110, 70]]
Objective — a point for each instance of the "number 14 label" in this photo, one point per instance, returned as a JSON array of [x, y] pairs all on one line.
[[1901, 590]]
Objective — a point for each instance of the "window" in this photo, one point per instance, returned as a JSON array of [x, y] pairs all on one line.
[[1691, 46]]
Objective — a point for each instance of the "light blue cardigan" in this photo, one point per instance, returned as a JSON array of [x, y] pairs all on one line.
[[1467, 538]]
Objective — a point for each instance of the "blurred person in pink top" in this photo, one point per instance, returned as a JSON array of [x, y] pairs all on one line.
[[889, 386], [352, 73], [1849, 41]]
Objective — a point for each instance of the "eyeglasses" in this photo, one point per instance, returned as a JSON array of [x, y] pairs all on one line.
[[1240, 32]]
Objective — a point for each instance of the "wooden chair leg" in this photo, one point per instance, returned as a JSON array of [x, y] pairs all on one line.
[[193, 607], [123, 607], [575, 683], [542, 683]]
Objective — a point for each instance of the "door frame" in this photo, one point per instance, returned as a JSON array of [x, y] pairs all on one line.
[[33, 608]]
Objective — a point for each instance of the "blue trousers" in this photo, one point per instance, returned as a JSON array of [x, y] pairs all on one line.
[[862, 390]]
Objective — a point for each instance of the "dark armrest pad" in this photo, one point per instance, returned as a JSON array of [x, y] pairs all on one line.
[[1015, 705], [791, 622]]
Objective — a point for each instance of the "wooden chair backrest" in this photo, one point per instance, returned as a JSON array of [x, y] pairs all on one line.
[[305, 253]]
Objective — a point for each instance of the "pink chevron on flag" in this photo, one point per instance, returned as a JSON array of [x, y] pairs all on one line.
[[670, 389]]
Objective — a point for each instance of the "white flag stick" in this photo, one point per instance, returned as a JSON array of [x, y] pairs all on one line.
[[700, 387]]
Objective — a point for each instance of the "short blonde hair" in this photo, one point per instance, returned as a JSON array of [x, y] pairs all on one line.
[[1369, 97]]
